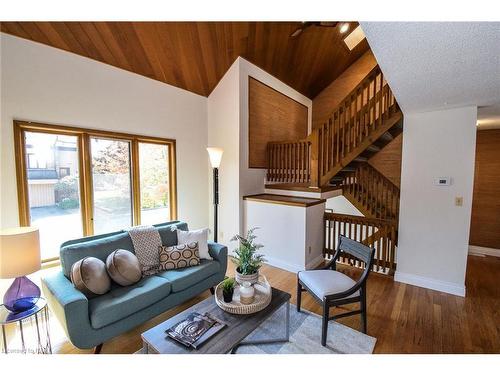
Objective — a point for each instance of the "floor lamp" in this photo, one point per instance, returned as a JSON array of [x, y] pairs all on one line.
[[215, 155]]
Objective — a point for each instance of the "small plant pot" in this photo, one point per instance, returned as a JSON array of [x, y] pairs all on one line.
[[252, 279], [228, 296]]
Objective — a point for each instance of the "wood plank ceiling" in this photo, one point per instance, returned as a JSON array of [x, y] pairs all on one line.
[[195, 55]]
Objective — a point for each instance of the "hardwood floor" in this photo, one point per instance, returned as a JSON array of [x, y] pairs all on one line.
[[403, 318]]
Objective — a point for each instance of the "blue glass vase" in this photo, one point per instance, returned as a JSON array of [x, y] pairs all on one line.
[[22, 295]]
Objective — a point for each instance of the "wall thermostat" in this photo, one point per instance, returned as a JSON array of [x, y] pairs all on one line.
[[443, 181]]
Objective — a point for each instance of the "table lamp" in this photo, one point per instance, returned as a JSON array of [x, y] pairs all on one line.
[[20, 256]]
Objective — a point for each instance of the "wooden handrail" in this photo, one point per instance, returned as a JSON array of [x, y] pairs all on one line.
[[352, 126], [375, 193], [377, 233]]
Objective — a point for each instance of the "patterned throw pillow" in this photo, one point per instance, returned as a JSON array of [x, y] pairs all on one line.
[[179, 256]]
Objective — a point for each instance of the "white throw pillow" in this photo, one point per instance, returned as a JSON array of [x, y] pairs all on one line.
[[200, 236]]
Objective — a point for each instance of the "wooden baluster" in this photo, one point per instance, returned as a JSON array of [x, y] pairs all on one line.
[[392, 255], [372, 103], [284, 170], [337, 143], [314, 159], [273, 171], [326, 148], [300, 161], [282, 163], [380, 117], [330, 142], [356, 125]]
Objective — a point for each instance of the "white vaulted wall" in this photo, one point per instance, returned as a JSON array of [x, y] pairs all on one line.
[[44, 84], [228, 128]]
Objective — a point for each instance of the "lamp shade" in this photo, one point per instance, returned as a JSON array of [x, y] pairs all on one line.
[[215, 154], [19, 252]]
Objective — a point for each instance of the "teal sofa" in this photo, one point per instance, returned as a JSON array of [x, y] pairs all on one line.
[[89, 322]]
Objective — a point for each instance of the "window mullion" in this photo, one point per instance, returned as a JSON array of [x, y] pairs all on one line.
[[136, 185], [86, 186]]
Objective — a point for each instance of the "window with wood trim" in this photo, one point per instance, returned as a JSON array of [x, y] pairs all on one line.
[[75, 182]]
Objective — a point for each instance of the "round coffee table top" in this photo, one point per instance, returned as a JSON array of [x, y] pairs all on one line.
[[7, 316]]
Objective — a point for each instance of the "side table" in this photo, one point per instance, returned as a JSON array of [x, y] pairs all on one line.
[[26, 332]]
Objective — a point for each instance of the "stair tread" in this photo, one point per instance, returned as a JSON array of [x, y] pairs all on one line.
[[303, 187]]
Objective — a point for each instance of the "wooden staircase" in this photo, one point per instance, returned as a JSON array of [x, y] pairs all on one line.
[[371, 193], [366, 119], [335, 156]]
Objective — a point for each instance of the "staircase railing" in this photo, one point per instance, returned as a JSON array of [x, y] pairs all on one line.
[[352, 126], [377, 233], [372, 193], [289, 161]]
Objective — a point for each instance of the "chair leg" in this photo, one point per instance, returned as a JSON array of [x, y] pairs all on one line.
[[324, 326], [363, 309], [299, 294], [97, 349], [212, 290]]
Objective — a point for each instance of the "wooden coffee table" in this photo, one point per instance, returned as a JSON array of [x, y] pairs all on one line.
[[226, 341]]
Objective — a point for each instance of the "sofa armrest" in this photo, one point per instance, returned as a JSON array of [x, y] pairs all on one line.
[[219, 253], [68, 304]]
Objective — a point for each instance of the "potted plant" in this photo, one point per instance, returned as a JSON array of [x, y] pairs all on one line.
[[246, 259], [228, 289]]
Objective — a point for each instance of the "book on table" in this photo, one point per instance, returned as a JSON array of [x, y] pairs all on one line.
[[195, 330]]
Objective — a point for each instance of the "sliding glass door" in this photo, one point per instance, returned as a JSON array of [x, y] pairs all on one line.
[[111, 185], [53, 182]]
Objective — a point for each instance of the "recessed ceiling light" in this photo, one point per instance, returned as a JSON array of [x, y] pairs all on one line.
[[344, 28]]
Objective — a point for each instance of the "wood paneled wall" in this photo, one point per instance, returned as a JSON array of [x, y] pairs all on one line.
[[485, 220], [273, 117], [328, 99], [388, 160]]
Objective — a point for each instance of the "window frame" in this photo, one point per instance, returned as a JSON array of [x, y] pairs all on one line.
[[85, 169]]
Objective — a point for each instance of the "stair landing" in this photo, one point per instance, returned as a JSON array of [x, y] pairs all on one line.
[[303, 190]]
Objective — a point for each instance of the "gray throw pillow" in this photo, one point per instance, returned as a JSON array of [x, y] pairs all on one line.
[[90, 277], [123, 267]]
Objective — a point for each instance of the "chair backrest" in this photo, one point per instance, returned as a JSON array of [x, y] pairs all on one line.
[[356, 249]]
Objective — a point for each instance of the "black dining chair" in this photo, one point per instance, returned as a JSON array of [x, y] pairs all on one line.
[[332, 288]]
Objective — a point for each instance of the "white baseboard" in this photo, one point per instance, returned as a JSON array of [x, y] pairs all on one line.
[[426, 282], [284, 265], [484, 251]]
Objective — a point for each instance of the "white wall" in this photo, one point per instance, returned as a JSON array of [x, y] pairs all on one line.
[[228, 128], [223, 131], [44, 84], [287, 233], [252, 180], [341, 205], [433, 232]]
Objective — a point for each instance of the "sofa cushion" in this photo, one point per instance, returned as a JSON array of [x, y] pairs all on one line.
[[124, 301], [181, 279], [179, 256], [123, 267], [90, 277], [102, 245]]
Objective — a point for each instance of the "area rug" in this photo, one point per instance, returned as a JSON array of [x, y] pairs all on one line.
[[305, 336]]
